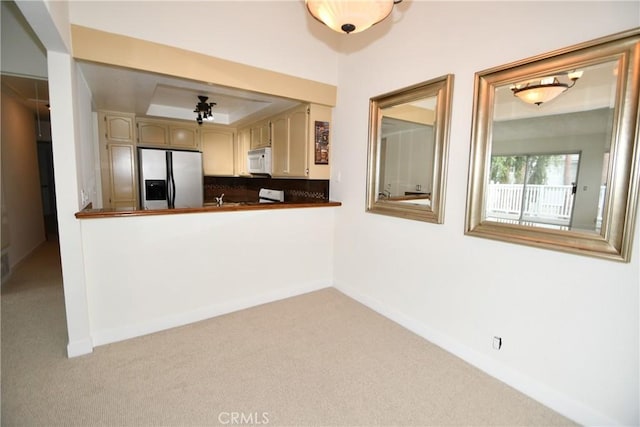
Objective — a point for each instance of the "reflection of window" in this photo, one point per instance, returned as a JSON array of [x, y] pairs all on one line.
[[533, 189]]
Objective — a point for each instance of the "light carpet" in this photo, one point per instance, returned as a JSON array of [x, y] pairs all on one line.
[[319, 359]]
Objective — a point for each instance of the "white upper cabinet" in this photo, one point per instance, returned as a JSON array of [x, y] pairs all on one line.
[[184, 136], [117, 127], [261, 134], [167, 134], [300, 142], [217, 151], [152, 132], [243, 145]]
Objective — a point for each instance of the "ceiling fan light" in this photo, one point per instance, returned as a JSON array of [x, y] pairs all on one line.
[[203, 109], [350, 16]]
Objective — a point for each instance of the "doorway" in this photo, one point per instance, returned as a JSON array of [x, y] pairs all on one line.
[[533, 189], [47, 189]]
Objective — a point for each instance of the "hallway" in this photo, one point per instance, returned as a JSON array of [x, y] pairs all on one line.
[[33, 305]]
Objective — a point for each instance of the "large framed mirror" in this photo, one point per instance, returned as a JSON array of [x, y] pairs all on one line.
[[554, 151], [408, 146]]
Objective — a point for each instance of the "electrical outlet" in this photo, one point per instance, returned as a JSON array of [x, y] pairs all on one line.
[[497, 343]]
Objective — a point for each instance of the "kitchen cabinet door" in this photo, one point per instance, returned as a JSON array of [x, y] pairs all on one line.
[[243, 145], [118, 127], [289, 143], [152, 133], [184, 137], [280, 146], [217, 152], [117, 160], [261, 135], [122, 176], [298, 143]]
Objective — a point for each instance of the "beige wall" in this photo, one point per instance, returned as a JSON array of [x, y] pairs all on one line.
[[20, 179]]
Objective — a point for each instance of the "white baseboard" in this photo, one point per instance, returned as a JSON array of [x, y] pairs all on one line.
[[79, 348], [108, 336], [542, 393]]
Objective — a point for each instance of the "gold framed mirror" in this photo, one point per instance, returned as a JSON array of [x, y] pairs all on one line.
[[554, 151], [408, 146]]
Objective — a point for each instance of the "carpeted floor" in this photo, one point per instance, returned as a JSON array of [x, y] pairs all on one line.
[[318, 359]]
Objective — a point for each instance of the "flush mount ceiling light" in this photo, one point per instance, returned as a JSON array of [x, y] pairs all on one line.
[[204, 109], [545, 89], [350, 16]]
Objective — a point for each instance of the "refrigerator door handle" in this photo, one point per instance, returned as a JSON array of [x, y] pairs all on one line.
[[171, 185]]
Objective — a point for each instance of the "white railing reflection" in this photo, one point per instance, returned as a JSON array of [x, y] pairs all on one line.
[[541, 204]]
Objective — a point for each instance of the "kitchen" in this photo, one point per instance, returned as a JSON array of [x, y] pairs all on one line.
[[243, 143]]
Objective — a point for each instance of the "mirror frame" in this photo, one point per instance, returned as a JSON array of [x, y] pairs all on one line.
[[442, 89], [616, 236]]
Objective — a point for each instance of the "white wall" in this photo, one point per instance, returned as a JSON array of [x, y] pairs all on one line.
[[22, 52], [20, 179], [150, 273], [569, 323], [65, 122]]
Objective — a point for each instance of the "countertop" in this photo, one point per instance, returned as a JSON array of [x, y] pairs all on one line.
[[207, 208]]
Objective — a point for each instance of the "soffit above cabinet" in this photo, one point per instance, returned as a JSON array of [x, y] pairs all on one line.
[[149, 94]]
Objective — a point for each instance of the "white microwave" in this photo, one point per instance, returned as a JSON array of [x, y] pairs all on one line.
[[259, 161]]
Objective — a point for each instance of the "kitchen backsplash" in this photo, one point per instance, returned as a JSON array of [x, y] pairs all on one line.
[[243, 189]]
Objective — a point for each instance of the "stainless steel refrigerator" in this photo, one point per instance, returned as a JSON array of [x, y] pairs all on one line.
[[170, 178]]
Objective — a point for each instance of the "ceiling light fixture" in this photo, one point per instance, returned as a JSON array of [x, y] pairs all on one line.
[[545, 89], [350, 16], [204, 109]]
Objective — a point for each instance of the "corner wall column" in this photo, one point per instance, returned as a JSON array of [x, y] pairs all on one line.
[[62, 80]]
